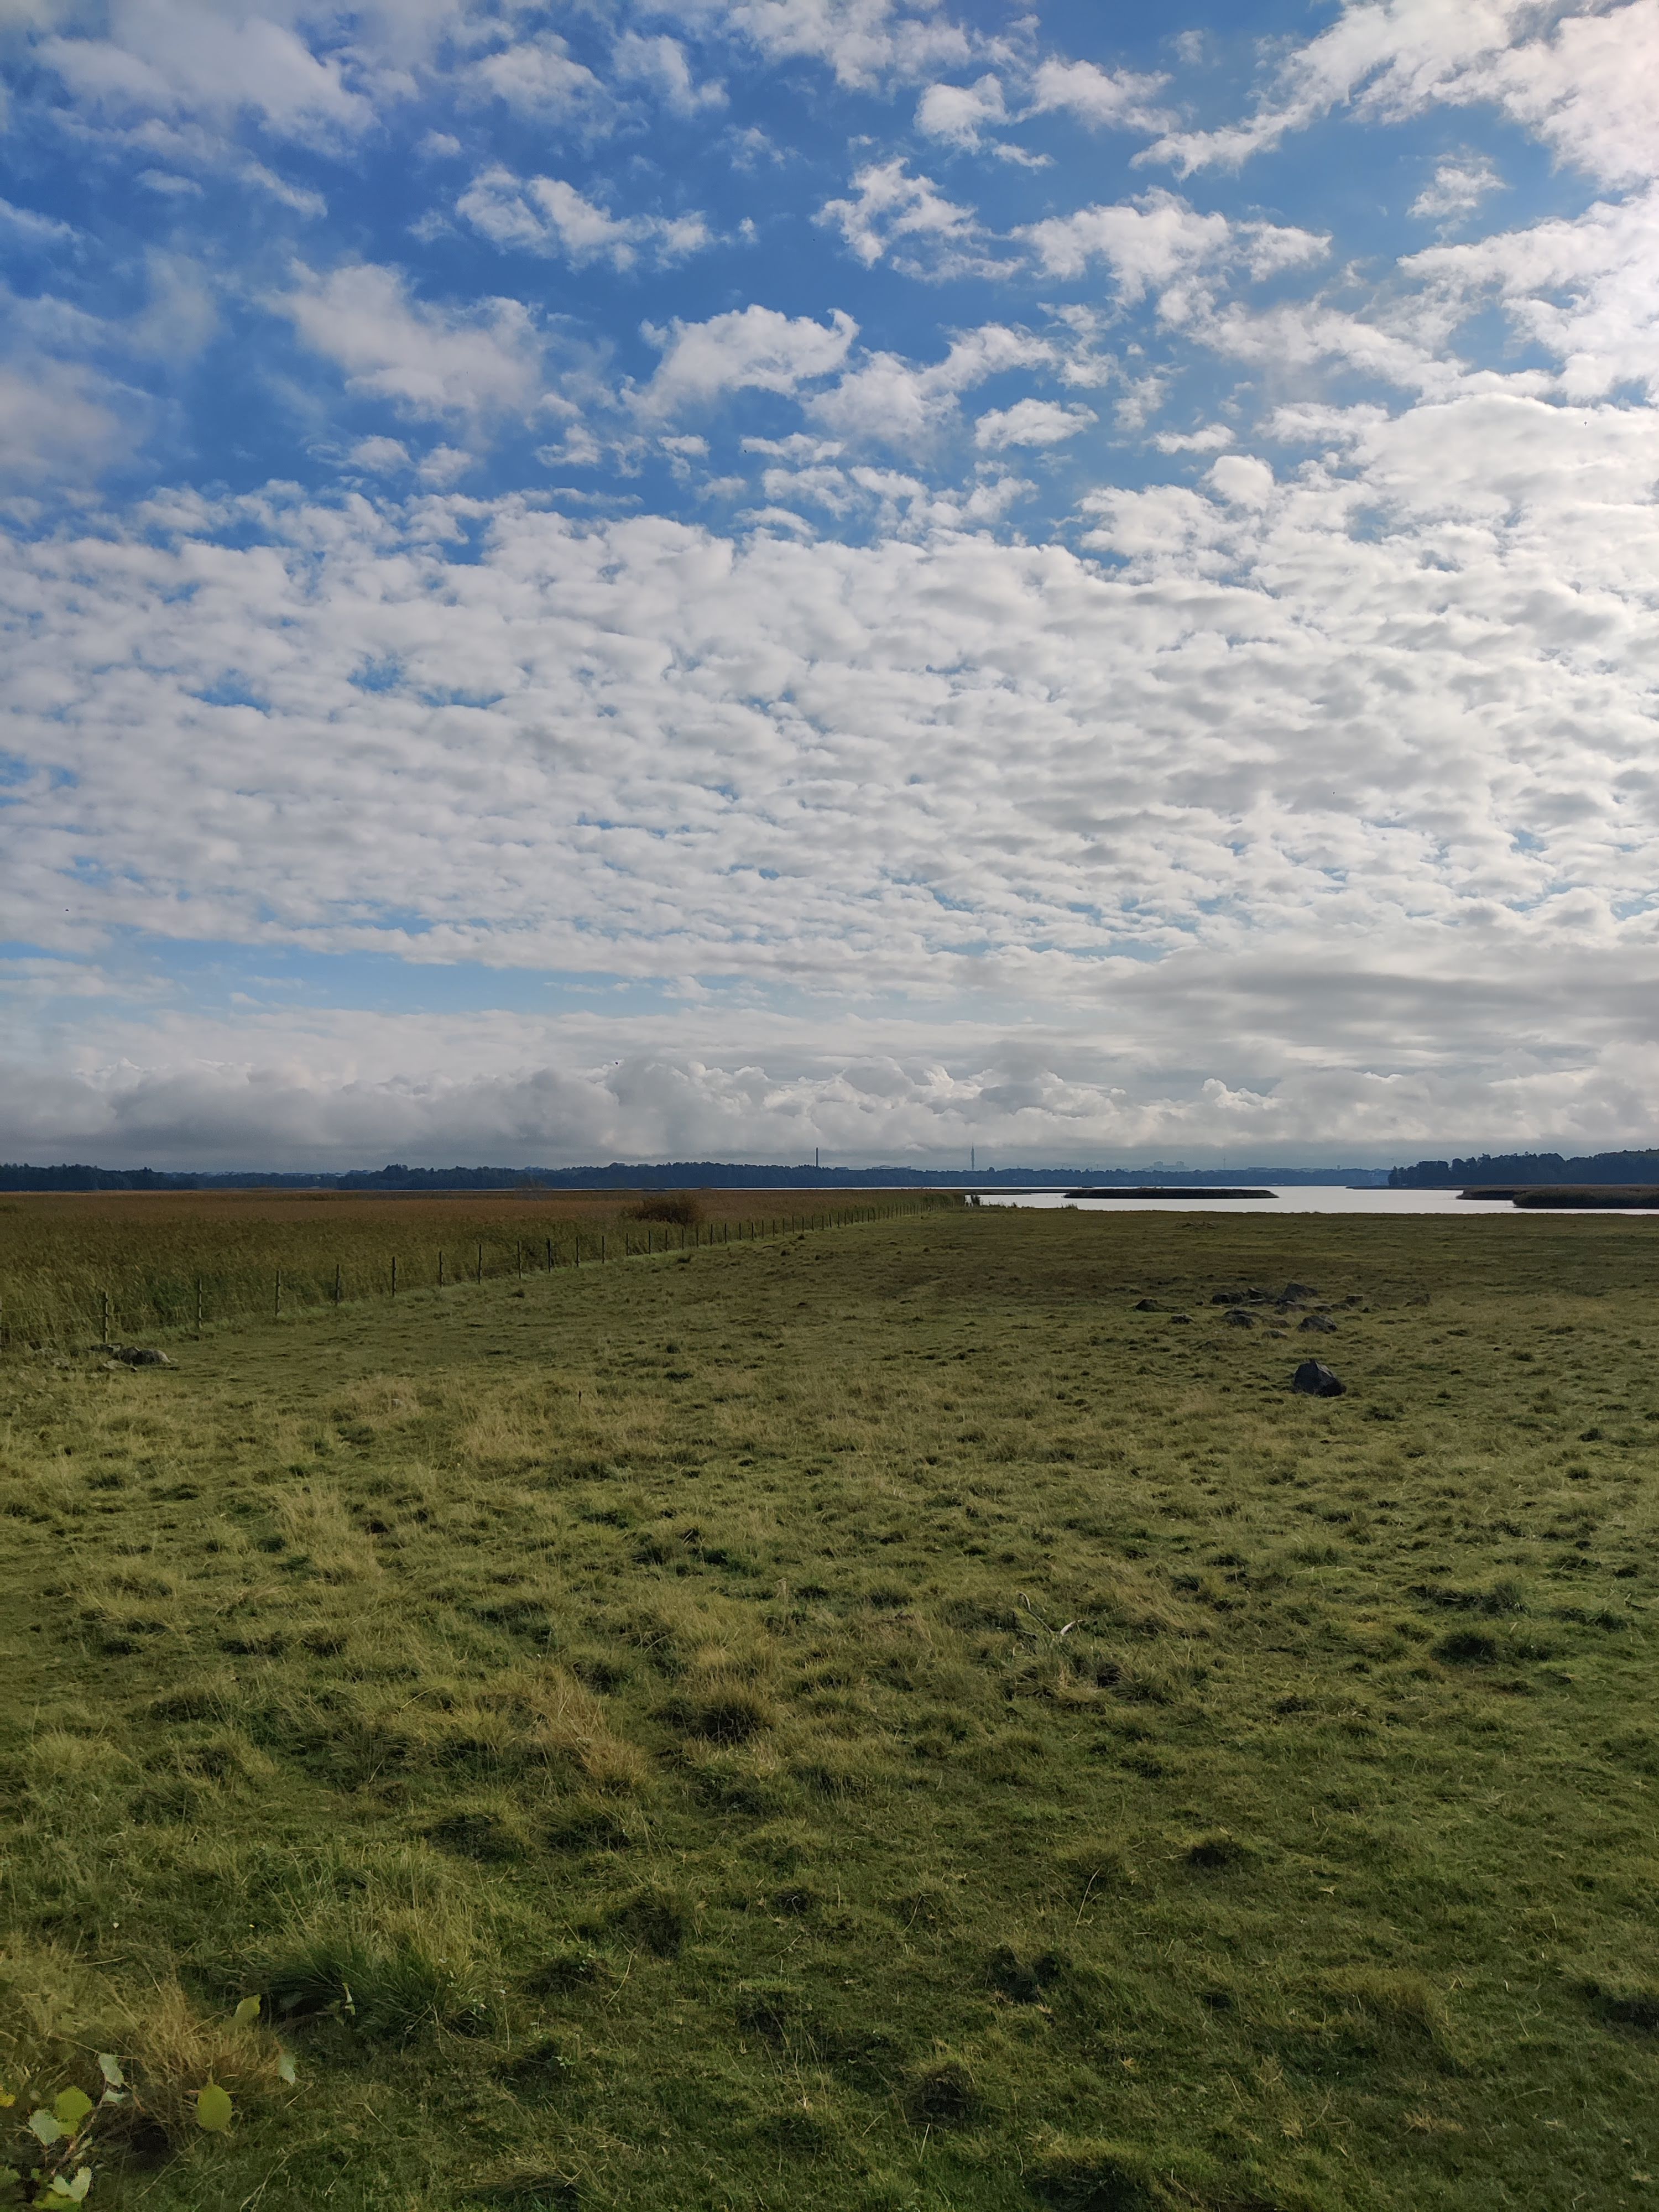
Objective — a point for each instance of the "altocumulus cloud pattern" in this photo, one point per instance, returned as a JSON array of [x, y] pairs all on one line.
[[708, 579]]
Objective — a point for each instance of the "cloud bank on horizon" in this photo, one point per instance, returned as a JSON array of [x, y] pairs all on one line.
[[707, 578]]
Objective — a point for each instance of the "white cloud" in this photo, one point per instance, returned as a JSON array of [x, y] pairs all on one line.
[[661, 63], [1210, 440], [890, 401], [33, 229], [1457, 189], [1158, 243], [427, 361], [960, 112], [749, 349], [163, 59], [908, 217], [383, 456], [543, 214], [863, 41], [538, 77], [1585, 289], [1030, 422], [1116, 99], [300, 197], [1242, 479], [1246, 799], [59, 421], [1587, 82]]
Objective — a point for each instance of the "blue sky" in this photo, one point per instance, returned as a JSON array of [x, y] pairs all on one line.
[[747, 575]]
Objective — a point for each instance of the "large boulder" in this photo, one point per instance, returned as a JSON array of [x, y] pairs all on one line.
[[1314, 1380], [1293, 1293], [1237, 1318], [1318, 1321]]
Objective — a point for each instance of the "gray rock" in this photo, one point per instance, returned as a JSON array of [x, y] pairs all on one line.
[[1147, 1305], [1293, 1293], [1178, 1318], [1314, 1380], [1317, 1321], [1237, 1318], [1227, 1297]]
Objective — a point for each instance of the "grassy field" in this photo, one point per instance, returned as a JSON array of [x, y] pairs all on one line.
[[873, 1719], [256, 1254]]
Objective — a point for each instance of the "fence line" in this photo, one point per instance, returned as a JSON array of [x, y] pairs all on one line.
[[172, 1314]]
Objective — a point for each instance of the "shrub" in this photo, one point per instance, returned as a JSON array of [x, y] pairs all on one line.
[[678, 1206]]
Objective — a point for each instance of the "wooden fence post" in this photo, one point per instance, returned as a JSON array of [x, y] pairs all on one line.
[[550, 1256], [278, 1313], [336, 1282], [106, 1320], [198, 1309], [481, 1260], [440, 1270], [394, 1279]]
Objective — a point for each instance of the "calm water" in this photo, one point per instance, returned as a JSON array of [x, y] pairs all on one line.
[[1291, 1197]]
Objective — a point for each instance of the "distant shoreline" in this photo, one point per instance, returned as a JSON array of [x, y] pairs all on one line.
[[1168, 1190]]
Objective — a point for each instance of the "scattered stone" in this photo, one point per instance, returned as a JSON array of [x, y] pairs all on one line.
[[139, 1355], [1314, 1380], [1317, 1321], [1259, 1298], [1227, 1297], [1147, 1305], [1177, 1319], [1294, 1292], [1237, 1318]]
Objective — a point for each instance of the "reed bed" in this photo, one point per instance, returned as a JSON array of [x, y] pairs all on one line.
[[78, 1269]]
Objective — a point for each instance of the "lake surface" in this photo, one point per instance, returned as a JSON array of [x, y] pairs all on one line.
[[1293, 1198]]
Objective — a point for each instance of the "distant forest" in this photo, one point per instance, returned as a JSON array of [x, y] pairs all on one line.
[[1499, 1168], [672, 1175]]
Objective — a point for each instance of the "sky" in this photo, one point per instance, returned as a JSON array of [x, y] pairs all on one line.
[[723, 578]]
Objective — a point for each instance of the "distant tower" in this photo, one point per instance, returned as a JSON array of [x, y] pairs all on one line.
[[815, 1158], [972, 1160]]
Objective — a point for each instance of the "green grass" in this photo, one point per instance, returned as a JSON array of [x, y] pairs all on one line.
[[866, 1720]]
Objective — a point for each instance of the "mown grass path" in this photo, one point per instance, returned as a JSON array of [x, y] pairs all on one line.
[[869, 1720]]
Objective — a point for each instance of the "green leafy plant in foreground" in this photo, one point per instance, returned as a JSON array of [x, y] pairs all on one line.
[[61, 2135]]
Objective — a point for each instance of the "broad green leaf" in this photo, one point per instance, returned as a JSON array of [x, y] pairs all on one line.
[[213, 2109], [6, 2097], [247, 2012], [285, 2067], [72, 2192], [46, 2127], [71, 2106], [110, 2067]]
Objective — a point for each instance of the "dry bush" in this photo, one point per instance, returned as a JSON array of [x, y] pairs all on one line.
[[679, 1208]]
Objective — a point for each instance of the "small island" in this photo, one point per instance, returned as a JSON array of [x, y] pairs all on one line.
[[1160, 1190]]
